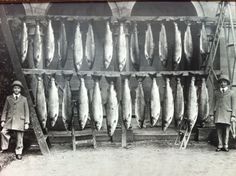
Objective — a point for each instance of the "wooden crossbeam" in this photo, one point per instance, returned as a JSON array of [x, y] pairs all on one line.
[[17, 69], [115, 73]]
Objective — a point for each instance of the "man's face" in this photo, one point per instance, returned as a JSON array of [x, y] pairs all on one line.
[[223, 83], [16, 90]]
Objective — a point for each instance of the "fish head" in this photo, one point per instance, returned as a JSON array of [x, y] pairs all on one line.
[[153, 121], [126, 123], [44, 123], [98, 125], [178, 80], [106, 64], [82, 124], [53, 122], [140, 123]]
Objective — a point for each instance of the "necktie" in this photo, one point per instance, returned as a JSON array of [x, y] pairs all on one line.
[[16, 97]]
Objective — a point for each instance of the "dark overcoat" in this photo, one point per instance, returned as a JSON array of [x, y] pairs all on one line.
[[223, 106], [15, 113]]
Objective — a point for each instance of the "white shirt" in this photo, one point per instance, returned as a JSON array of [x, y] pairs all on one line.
[[14, 95], [223, 89]]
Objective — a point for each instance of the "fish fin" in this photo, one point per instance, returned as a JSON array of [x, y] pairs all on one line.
[[167, 75], [81, 75], [97, 77], [152, 76], [140, 78], [111, 79], [128, 76]]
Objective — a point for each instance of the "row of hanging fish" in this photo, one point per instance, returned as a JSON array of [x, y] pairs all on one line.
[[61, 45]]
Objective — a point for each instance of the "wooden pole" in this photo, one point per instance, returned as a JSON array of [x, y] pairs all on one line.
[[17, 68]]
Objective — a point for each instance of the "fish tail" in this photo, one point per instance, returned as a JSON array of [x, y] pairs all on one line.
[[111, 79], [97, 77], [67, 76], [140, 78], [124, 76], [81, 75], [152, 75]]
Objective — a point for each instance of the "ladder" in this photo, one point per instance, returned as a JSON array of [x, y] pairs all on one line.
[[184, 132], [41, 138]]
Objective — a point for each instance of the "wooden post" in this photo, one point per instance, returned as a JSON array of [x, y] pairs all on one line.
[[17, 68]]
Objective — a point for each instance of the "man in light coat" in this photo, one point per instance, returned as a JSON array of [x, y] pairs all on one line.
[[223, 111], [15, 117]]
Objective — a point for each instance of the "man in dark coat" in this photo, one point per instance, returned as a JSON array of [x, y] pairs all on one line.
[[15, 117], [223, 110]]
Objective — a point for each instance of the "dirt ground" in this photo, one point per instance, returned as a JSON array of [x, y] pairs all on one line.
[[138, 160]]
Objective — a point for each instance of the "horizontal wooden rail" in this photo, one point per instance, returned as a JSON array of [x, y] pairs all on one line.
[[113, 73]]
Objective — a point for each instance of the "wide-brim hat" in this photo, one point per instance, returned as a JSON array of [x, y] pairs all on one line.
[[17, 83], [224, 77]]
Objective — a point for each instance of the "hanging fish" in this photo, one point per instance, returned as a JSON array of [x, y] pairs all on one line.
[[204, 45], [168, 105], [108, 46], [38, 46], [50, 44], [179, 103], [53, 101], [63, 44], [178, 46], [24, 42], [155, 101], [97, 106], [139, 102], [192, 106], [66, 109], [83, 102], [41, 105], [78, 48], [126, 102], [233, 129], [112, 107], [163, 47], [90, 47], [203, 102], [134, 48], [188, 44], [122, 48], [149, 45]]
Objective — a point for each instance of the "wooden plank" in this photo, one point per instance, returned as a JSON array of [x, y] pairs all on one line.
[[31, 19], [17, 68], [115, 73]]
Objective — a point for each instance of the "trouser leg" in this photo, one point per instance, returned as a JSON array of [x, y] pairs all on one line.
[[219, 135], [226, 136], [19, 142], [5, 138]]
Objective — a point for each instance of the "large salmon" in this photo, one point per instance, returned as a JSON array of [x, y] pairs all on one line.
[[53, 101], [149, 45], [155, 101], [50, 44], [204, 45], [179, 103], [41, 105], [112, 107], [78, 48], [97, 106], [122, 48], [178, 46], [63, 44], [203, 102], [66, 109], [168, 105], [83, 103], [163, 46], [24, 42], [108, 46], [188, 44], [90, 47], [139, 102], [126, 102], [192, 106], [134, 48], [38, 46]]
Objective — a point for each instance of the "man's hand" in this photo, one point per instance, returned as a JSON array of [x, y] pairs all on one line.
[[2, 124], [233, 119], [26, 126]]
